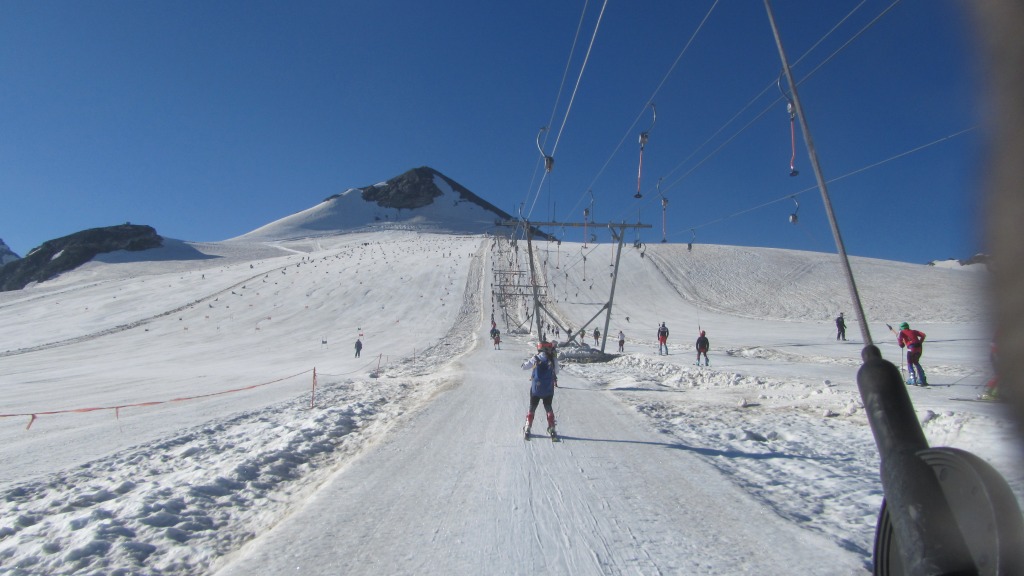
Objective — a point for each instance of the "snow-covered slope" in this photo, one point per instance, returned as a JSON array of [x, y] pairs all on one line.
[[174, 424], [763, 283]]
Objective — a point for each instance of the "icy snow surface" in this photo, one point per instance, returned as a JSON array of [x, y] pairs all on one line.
[[206, 451]]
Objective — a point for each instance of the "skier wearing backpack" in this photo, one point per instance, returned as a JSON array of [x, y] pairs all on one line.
[[543, 381], [662, 339], [702, 348], [913, 340]]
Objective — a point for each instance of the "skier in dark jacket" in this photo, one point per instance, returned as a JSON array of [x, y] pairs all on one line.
[[840, 327], [702, 348], [913, 340], [662, 339], [543, 382], [359, 347]]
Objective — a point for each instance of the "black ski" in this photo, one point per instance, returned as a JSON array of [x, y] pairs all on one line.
[[982, 400]]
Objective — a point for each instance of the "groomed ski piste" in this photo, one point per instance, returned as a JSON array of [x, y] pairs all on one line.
[[175, 429]]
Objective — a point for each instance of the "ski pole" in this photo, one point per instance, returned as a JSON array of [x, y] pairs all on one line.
[[903, 352]]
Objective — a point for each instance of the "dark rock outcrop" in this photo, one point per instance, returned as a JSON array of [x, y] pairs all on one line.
[[979, 258], [416, 189], [54, 257], [6, 254], [411, 190]]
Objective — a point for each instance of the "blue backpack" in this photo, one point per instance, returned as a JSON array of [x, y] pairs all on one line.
[[544, 373]]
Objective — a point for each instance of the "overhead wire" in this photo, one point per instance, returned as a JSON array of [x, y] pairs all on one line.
[[572, 100], [734, 117], [571, 264], [554, 108], [774, 102], [768, 87], [791, 196], [832, 180], [649, 101], [850, 41]]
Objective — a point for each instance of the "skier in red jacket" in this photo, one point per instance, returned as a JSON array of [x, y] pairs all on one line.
[[913, 340]]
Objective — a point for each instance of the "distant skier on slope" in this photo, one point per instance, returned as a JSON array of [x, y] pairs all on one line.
[[662, 339], [913, 340], [622, 341], [840, 327], [597, 337], [496, 337], [543, 381], [359, 347], [702, 348]]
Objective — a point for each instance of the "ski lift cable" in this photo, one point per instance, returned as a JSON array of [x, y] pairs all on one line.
[[836, 179], [776, 101], [772, 105], [572, 100], [558, 94], [579, 78], [654, 95], [769, 86], [859, 33], [823, 187], [764, 90], [568, 64], [584, 253]]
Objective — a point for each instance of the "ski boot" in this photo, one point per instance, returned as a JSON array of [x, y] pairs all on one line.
[[551, 427]]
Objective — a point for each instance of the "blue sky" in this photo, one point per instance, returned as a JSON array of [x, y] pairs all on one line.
[[209, 119]]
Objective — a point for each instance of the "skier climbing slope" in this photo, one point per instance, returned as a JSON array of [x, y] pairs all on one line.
[[450, 491], [543, 379]]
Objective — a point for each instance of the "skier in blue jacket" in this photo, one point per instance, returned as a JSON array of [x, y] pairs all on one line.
[[544, 380]]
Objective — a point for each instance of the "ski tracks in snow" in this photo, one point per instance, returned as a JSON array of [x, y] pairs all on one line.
[[207, 490], [456, 490]]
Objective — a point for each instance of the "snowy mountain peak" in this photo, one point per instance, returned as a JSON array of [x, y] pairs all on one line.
[[419, 199]]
